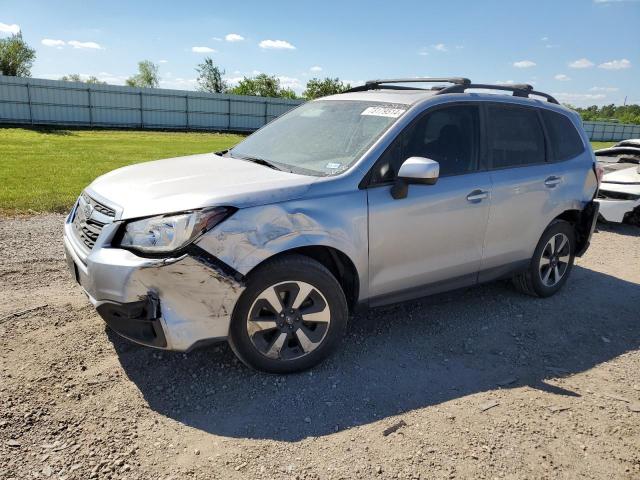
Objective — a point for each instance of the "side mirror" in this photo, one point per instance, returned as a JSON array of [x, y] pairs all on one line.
[[416, 170]]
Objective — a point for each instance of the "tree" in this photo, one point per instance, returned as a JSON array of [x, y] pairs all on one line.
[[16, 57], [147, 75], [620, 113], [262, 85], [210, 77], [321, 88], [75, 77], [288, 93]]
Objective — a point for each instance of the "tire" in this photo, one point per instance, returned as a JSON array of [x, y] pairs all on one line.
[[304, 331], [541, 278]]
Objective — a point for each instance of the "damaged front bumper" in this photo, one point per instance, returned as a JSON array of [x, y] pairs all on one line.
[[170, 303]]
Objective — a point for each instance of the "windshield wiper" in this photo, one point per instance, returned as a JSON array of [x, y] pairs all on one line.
[[259, 161]]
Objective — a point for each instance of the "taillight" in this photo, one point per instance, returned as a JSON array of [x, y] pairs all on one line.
[[599, 173]]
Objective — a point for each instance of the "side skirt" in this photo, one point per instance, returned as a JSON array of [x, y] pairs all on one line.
[[488, 275]]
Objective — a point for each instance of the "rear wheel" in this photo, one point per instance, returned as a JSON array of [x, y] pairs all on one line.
[[290, 317], [551, 263]]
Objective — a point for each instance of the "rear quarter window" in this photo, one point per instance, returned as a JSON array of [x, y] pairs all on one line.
[[565, 141]]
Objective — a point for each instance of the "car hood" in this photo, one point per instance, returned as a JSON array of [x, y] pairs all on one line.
[[185, 183]]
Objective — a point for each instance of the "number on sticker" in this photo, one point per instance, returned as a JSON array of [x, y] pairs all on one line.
[[383, 112]]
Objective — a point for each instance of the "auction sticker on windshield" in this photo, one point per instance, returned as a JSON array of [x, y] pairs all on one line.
[[392, 112]]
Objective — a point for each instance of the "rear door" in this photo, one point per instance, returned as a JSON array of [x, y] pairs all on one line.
[[434, 235], [523, 185]]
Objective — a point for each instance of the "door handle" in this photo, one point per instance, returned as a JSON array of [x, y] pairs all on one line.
[[477, 196], [552, 181]]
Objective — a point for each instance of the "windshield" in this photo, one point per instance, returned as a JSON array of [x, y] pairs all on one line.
[[320, 138]]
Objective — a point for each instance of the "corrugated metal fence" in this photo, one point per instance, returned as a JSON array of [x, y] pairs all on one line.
[[611, 131], [35, 101]]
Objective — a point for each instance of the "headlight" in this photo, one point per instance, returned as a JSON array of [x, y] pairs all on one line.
[[168, 233]]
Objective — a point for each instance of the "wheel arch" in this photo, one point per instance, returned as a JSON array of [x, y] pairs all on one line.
[[338, 263], [572, 216], [581, 222]]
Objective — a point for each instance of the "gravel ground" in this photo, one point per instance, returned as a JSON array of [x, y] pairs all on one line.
[[478, 383]]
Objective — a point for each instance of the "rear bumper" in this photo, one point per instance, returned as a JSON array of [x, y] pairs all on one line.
[[170, 303], [586, 226]]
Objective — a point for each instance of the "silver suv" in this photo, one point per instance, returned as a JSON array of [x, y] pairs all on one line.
[[378, 195]]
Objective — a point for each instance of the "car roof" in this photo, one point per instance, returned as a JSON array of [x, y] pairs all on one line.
[[411, 97]]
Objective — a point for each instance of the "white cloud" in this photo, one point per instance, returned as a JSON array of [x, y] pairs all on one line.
[[613, 1], [604, 89], [440, 47], [545, 39], [217, 39], [562, 77], [179, 83], [505, 82], [233, 81], [581, 63], [276, 45], [233, 37], [316, 68], [290, 82], [616, 64], [582, 99], [50, 42], [111, 78], [163, 61], [423, 53], [524, 64], [85, 45], [255, 72], [202, 50], [11, 28], [579, 96]]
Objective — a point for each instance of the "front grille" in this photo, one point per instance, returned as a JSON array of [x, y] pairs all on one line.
[[89, 220], [104, 210]]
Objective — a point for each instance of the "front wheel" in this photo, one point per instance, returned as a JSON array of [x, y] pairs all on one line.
[[290, 317], [551, 263]]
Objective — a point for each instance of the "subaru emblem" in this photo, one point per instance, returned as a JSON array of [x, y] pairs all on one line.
[[88, 210]]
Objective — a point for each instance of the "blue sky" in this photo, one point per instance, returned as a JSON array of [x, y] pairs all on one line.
[[583, 51]]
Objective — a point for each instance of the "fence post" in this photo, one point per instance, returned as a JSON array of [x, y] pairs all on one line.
[[29, 100], [186, 113], [141, 114], [229, 113], [90, 107], [266, 109]]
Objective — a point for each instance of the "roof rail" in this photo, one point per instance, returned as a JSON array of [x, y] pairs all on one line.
[[519, 90], [384, 83]]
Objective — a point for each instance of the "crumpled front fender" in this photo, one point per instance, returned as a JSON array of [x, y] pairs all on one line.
[[253, 235]]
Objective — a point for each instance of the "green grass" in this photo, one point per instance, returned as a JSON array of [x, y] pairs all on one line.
[[45, 170], [598, 145]]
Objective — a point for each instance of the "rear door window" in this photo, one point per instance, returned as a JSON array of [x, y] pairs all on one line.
[[565, 141], [515, 137]]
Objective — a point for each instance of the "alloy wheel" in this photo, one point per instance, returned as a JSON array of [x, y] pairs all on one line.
[[554, 260], [288, 320]]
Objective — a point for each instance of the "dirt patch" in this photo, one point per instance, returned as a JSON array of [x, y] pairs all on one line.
[[477, 383]]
